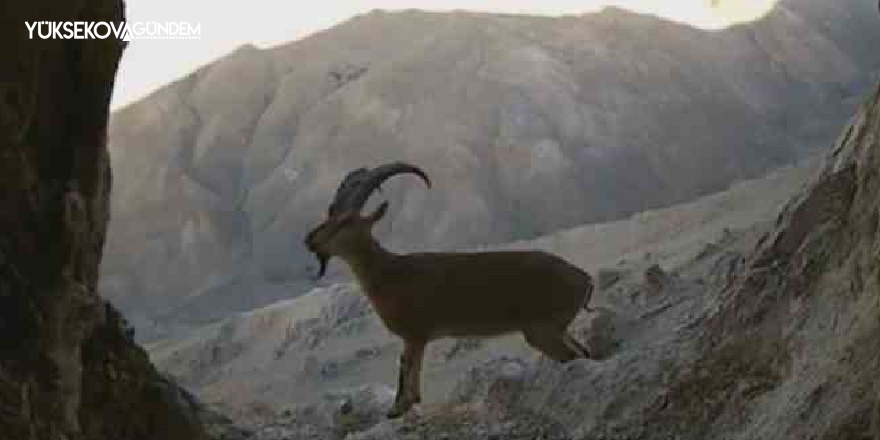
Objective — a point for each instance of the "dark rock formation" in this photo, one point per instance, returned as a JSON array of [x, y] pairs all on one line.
[[790, 352], [68, 370], [145, 405]]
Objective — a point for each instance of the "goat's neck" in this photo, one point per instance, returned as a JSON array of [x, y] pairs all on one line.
[[367, 258]]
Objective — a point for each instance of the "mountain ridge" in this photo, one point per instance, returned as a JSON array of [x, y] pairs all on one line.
[[527, 125]]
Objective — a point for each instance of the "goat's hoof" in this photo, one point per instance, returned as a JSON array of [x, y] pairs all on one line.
[[399, 410]]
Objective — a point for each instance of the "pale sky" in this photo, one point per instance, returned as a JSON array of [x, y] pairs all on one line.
[[225, 25]]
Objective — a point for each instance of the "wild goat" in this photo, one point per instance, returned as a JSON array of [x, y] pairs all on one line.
[[426, 296]]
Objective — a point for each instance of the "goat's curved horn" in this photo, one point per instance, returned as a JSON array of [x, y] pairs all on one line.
[[351, 182], [358, 185]]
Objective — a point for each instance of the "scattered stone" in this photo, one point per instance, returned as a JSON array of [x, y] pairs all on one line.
[[708, 250], [606, 278], [360, 408], [329, 370], [463, 346], [338, 414], [495, 382], [363, 354], [466, 423], [221, 427], [656, 279], [603, 334]]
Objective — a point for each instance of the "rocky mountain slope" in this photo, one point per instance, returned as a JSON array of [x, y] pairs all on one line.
[[68, 368], [767, 334], [527, 125], [296, 351]]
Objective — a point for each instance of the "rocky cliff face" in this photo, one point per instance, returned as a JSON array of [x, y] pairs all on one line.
[[764, 337], [785, 353], [526, 124], [67, 368]]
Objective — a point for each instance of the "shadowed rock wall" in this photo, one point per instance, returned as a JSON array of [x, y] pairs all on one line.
[[67, 369]]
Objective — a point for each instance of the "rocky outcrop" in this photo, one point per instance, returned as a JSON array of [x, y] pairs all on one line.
[[145, 404], [788, 352], [68, 368], [527, 125]]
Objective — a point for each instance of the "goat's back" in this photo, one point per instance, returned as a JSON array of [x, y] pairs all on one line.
[[479, 294]]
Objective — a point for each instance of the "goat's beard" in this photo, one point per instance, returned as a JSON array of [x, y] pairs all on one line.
[[322, 263]]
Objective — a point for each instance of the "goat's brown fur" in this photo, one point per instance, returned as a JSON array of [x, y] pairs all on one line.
[[425, 296]]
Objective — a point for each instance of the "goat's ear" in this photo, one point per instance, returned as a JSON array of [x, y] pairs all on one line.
[[378, 213]]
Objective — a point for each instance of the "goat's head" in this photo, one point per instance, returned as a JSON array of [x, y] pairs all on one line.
[[345, 224]]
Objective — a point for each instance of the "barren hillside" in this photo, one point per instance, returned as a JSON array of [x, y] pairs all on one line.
[[527, 125]]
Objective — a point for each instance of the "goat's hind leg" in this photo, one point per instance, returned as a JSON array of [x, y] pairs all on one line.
[[577, 346]]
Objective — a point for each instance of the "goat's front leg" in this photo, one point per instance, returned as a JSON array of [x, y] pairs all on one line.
[[408, 381]]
